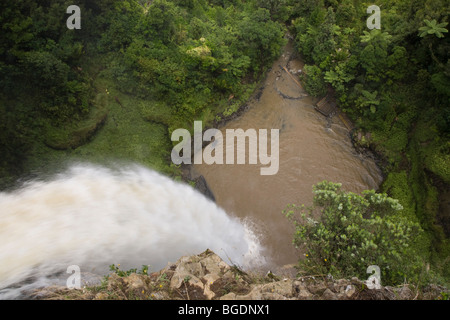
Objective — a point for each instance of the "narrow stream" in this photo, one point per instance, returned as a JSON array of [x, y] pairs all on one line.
[[313, 148]]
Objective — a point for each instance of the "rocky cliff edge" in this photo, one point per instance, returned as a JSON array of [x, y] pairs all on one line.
[[207, 277]]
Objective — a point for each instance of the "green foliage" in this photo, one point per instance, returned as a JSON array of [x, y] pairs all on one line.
[[41, 81], [77, 134], [313, 80], [367, 101], [279, 9], [352, 232], [374, 55], [338, 77], [125, 273], [397, 185], [394, 83], [432, 27], [397, 63], [441, 82], [317, 36], [184, 58], [200, 58], [260, 34]]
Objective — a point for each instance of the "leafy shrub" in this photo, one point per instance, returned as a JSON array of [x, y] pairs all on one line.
[[437, 162], [125, 273], [353, 232], [313, 80]]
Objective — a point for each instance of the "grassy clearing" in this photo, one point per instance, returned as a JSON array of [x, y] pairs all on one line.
[[125, 135]]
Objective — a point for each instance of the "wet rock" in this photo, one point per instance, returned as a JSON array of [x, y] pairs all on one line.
[[202, 186]]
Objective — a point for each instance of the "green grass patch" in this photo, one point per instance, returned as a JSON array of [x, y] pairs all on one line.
[[439, 163], [75, 134], [125, 135]]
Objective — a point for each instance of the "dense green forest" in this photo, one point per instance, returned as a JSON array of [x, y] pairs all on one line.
[[394, 83], [140, 69]]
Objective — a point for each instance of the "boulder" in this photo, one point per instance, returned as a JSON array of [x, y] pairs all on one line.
[[202, 186], [329, 295], [300, 288]]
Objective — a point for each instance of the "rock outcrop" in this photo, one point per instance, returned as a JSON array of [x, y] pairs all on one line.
[[207, 277], [202, 186]]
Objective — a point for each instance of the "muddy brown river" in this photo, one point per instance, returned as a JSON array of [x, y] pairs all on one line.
[[312, 148]]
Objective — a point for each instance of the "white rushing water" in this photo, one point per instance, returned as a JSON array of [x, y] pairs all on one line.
[[93, 217]]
